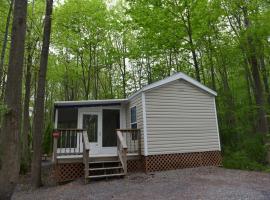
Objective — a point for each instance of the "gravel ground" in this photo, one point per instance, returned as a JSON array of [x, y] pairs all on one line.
[[197, 183]]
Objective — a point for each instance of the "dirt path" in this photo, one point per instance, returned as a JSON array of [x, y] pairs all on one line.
[[198, 183]]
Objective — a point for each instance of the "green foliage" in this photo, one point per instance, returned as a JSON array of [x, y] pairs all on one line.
[[47, 139], [241, 160], [248, 152]]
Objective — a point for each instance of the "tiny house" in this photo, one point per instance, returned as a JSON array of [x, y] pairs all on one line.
[[169, 124]]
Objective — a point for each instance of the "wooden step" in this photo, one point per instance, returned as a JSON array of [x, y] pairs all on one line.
[[104, 168], [105, 161], [106, 175]]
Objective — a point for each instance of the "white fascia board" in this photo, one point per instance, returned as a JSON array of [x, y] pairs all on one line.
[[174, 77], [85, 102], [197, 83]]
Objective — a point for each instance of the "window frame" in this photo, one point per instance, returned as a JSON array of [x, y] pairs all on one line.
[[135, 122]]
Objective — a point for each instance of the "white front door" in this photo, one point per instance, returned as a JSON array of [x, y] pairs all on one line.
[[91, 121]]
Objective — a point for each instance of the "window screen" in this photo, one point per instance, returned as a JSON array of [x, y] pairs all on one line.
[[67, 118]]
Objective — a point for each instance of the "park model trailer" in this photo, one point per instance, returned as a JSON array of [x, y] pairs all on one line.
[[169, 124]]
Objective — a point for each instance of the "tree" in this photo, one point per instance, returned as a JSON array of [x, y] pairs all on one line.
[[13, 95], [38, 122], [5, 40]]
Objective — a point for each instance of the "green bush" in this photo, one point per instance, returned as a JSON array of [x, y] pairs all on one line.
[[47, 139], [241, 160], [248, 153], [255, 149]]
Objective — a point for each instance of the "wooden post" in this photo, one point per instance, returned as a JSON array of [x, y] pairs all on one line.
[[86, 150], [86, 165], [139, 142], [125, 160], [54, 158]]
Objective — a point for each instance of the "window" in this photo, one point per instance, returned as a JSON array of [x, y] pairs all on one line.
[[90, 123], [67, 119], [133, 117]]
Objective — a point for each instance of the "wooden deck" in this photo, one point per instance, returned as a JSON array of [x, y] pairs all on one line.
[[71, 146]]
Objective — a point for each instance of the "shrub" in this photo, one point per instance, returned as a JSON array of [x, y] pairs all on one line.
[[240, 160], [255, 148], [47, 139]]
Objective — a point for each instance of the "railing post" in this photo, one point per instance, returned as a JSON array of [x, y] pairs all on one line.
[[86, 150], [139, 142], [125, 160], [54, 158]]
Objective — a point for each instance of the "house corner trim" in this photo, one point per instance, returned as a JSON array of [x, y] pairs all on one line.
[[144, 125], [215, 108]]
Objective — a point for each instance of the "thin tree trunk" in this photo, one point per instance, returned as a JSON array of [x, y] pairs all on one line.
[[262, 124], [38, 122], [265, 78], [25, 151], [192, 47], [4, 46], [124, 75], [13, 97], [149, 71]]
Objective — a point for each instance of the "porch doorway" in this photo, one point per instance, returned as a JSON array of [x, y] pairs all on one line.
[[110, 122], [91, 122]]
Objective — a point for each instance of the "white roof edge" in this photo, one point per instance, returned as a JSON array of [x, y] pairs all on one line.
[[174, 77], [90, 102]]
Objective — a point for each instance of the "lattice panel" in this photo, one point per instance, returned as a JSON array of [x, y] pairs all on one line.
[[182, 160], [68, 171], [135, 165], [211, 158]]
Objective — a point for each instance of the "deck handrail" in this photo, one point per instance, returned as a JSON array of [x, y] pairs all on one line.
[[132, 138], [122, 150], [67, 142]]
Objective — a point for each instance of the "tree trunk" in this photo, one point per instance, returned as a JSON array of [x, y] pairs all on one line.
[[192, 47], [38, 122], [25, 151], [13, 96], [265, 78], [262, 124], [124, 75], [4, 47], [26, 130]]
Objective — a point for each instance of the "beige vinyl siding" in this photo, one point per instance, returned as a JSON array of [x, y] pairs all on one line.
[[136, 101], [180, 118]]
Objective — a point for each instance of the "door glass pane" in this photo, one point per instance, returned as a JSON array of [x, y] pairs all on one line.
[[90, 123]]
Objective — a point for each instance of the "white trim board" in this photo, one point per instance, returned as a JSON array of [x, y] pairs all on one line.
[[144, 126], [217, 123]]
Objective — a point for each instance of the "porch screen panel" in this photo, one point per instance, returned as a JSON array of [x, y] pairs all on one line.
[[67, 119], [111, 122]]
